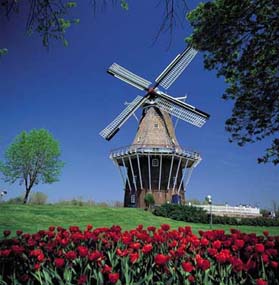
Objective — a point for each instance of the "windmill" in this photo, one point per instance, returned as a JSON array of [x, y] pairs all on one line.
[[155, 163]]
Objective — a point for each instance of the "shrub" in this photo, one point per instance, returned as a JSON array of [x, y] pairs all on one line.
[[149, 200], [38, 198]]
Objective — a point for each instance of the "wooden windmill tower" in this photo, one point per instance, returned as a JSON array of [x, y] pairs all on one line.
[[155, 163]]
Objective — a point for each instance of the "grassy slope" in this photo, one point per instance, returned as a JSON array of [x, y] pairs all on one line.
[[31, 218]]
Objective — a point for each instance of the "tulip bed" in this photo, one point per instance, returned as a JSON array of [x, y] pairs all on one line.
[[139, 256]]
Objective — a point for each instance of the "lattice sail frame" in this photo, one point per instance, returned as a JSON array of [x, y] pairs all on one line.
[[182, 113], [114, 126], [176, 67]]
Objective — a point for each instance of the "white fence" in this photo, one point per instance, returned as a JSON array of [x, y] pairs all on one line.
[[231, 211]]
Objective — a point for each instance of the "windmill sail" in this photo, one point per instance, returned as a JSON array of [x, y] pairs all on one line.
[[127, 76], [115, 125], [176, 67], [182, 111]]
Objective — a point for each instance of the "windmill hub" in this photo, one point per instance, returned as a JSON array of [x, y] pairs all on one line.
[[155, 163]]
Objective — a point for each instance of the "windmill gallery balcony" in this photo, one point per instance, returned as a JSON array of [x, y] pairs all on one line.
[[163, 170]]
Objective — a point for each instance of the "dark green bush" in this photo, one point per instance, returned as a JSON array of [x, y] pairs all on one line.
[[182, 213]]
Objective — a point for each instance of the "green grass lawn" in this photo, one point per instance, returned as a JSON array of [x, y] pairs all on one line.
[[31, 218]]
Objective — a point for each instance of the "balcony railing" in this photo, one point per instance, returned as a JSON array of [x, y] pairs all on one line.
[[154, 149]]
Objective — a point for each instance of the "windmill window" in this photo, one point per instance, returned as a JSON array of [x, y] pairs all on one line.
[[135, 179], [155, 162], [156, 125], [133, 199]]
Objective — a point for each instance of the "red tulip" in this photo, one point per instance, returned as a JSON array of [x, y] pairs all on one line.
[[259, 247], [151, 229], [59, 262], [216, 244], [37, 266], [82, 279], [113, 277], [51, 228], [106, 269], [18, 249], [265, 258], [6, 233], [202, 263], [82, 250], [134, 257], [223, 256], [274, 264], [187, 266], [261, 282], [212, 251], [165, 227], [41, 257], [239, 243], [191, 278], [71, 255], [204, 242], [95, 255], [5, 252], [237, 264], [19, 232], [147, 248], [89, 227], [135, 245], [161, 259]]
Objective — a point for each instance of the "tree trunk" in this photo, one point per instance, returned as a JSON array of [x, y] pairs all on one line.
[[27, 191]]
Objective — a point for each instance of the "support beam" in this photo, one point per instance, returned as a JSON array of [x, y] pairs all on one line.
[[139, 168], [149, 172], [189, 175], [168, 187], [127, 175], [177, 171], [160, 173], [182, 178], [133, 174], [119, 168]]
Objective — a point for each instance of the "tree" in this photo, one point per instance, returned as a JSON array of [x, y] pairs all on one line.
[[149, 200], [241, 41], [32, 158]]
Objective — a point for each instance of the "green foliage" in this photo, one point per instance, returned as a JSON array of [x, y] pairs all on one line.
[[38, 198], [241, 42], [32, 158], [3, 51], [149, 200], [124, 4], [182, 213]]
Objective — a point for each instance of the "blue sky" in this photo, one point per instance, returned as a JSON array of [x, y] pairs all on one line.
[[68, 92]]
